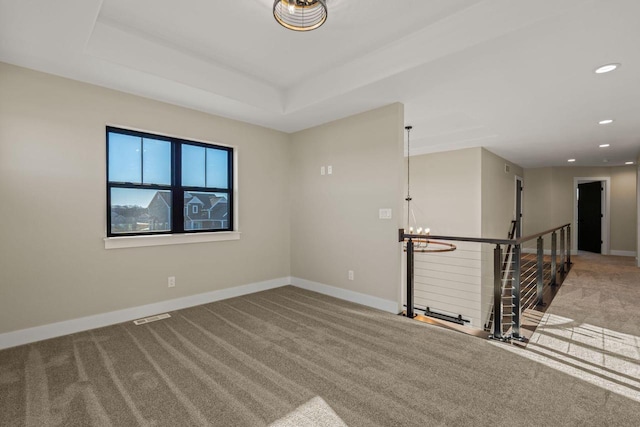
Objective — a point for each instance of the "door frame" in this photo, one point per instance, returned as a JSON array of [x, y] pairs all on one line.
[[605, 221], [515, 207]]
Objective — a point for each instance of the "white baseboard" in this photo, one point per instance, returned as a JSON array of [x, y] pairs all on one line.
[[39, 333], [368, 300], [622, 253]]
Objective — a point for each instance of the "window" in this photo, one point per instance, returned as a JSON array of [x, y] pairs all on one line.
[[164, 185]]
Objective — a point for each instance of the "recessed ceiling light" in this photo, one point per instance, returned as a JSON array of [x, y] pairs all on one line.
[[603, 145], [628, 163], [606, 68], [571, 160], [605, 121]]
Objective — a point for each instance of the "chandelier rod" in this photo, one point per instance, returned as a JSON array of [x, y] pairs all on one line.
[[408, 198]]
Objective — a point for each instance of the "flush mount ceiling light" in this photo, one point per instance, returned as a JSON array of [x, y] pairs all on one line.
[[571, 160], [606, 68], [603, 145], [628, 163], [300, 15], [605, 122]]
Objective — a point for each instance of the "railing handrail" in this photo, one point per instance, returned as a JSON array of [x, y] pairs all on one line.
[[535, 236], [460, 239], [485, 239]]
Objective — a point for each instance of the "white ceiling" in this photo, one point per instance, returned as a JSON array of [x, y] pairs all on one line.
[[514, 76]]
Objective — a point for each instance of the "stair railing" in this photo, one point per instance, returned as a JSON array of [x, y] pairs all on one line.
[[526, 272], [507, 277]]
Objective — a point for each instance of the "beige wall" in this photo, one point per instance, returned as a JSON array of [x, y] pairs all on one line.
[[537, 201], [446, 192], [334, 218], [623, 208], [52, 184], [498, 195], [549, 198]]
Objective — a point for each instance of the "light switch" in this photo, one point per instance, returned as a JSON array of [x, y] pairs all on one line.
[[384, 213], [329, 170], [322, 170]]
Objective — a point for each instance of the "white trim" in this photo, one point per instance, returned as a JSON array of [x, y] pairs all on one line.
[[168, 239], [622, 253], [347, 295], [515, 203], [52, 330], [606, 223]]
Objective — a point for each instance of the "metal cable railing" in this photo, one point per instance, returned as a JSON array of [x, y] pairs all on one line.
[[518, 278]]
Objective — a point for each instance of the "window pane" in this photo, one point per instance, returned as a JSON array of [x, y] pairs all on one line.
[[156, 161], [124, 158], [140, 211], [206, 211], [217, 173], [193, 166]]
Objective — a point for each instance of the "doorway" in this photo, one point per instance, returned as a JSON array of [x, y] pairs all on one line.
[[518, 207], [590, 216]]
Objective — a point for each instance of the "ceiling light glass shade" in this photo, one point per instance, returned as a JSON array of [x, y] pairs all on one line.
[[605, 122], [300, 15]]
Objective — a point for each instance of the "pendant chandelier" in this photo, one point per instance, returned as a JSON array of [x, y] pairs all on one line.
[[300, 15]]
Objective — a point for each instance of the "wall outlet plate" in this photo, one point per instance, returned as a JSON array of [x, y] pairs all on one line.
[[385, 213]]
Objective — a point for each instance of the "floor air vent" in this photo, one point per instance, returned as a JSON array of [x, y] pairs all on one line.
[[152, 319]]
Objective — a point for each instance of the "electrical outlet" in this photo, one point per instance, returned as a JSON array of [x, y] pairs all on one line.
[[321, 170], [351, 275], [171, 281], [329, 170]]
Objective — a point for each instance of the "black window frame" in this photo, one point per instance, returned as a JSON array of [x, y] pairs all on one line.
[[176, 187]]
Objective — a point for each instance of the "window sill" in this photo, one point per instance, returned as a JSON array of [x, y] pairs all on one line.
[[168, 239]]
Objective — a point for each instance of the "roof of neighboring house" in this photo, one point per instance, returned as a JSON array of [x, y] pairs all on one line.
[[208, 200], [220, 210], [165, 196]]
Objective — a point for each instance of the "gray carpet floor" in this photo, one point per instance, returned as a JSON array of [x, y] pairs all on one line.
[[282, 355]]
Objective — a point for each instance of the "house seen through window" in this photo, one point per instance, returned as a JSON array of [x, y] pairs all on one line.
[[161, 185]]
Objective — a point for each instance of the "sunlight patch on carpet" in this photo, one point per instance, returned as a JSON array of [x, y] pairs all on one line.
[[600, 356], [314, 413]]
